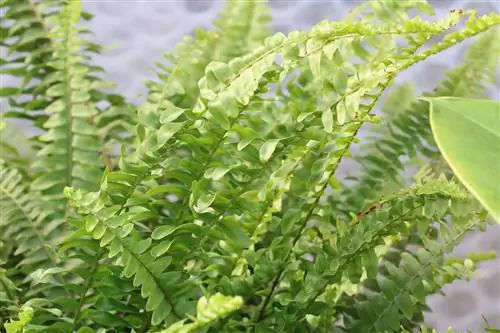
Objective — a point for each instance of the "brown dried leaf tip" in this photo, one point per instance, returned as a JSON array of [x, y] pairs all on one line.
[[458, 11]]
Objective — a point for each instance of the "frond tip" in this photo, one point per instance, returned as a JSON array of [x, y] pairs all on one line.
[[209, 310], [18, 326]]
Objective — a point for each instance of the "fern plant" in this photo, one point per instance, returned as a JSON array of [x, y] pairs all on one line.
[[224, 210]]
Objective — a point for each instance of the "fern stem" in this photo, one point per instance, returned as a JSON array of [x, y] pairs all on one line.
[[39, 18], [153, 276], [277, 278], [69, 118], [319, 194]]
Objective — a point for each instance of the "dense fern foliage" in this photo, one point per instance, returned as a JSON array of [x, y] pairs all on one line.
[[224, 210]]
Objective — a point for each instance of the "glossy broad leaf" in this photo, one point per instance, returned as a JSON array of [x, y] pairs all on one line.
[[467, 131]]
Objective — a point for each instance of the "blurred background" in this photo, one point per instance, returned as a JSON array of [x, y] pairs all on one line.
[[140, 32]]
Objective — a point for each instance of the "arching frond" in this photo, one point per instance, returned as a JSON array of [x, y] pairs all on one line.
[[406, 133], [396, 297], [23, 220], [70, 156], [26, 36], [243, 25]]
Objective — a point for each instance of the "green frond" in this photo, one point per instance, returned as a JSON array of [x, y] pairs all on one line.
[[112, 226], [219, 93], [32, 59], [69, 157], [389, 10], [407, 132], [333, 158], [26, 35], [177, 81], [397, 297], [116, 124], [18, 156], [29, 235], [477, 71], [349, 247], [243, 26], [424, 329], [99, 294], [24, 221]]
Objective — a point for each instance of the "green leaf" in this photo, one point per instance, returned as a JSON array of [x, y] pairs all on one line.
[[56, 90], [267, 149], [204, 202], [327, 120], [218, 172], [370, 261], [405, 304], [467, 132], [163, 231], [220, 117], [341, 112], [315, 63], [8, 91], [492, 330], [233, 233], [161, 248], [167, 131], [171, 113]]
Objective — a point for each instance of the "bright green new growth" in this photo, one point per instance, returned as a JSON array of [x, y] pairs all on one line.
[[18, 326], [224, 211], [207, 310], [467, 132]]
